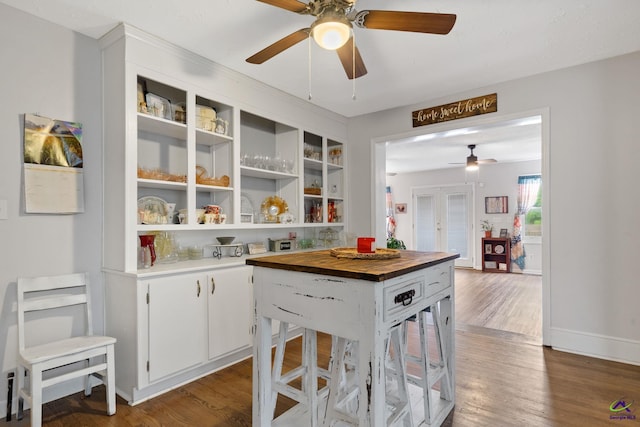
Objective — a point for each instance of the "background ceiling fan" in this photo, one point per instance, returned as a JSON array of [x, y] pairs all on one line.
[[472, 160], [333, 24]]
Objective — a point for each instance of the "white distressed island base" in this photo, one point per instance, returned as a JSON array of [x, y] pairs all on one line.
[[360, 301]]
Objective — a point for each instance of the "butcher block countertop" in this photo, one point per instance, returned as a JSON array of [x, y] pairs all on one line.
[[374, 270]]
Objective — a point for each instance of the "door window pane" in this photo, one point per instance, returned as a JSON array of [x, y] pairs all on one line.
[[425, 223], [457, 223]]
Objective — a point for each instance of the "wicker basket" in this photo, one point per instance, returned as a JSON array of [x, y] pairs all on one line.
[[160, 175], [314, 191], [223, 181]]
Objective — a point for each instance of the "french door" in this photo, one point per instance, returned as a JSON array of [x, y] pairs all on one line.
[[443, 221]]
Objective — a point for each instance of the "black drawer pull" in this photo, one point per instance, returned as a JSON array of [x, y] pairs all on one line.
[[405, 298]]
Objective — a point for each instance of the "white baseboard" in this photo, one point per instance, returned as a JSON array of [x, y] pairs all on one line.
[[595, 345]]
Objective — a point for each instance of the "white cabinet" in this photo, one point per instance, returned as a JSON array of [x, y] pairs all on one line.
[[229, 310], [177, 333], [175, 327]]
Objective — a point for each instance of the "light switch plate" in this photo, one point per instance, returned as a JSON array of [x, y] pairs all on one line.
[[3, 210]]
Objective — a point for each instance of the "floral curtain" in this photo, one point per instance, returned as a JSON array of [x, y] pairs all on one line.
[[528, 187], [391, 221]]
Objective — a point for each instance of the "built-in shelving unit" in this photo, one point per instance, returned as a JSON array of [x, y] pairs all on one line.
[[179, 134], [187, 161]]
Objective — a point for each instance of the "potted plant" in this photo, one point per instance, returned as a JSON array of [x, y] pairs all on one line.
[[393, 243], [487, 227]]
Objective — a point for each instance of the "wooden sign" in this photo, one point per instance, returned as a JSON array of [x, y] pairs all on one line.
[[456, 110]]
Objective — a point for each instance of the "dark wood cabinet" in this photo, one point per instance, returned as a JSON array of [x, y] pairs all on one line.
[[496, 254]]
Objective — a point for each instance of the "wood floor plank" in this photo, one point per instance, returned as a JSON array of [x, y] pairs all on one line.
[[499, 382], [504, 377], [507, 302]]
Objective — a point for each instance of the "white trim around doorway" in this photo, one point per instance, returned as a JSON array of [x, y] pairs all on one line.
[[378, 153]]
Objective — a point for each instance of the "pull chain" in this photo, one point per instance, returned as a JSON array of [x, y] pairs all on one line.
[[309, 71]]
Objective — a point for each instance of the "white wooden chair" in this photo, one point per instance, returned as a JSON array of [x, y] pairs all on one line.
[[88, 354]]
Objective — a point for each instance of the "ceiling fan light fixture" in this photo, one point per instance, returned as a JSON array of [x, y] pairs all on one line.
[[472, 163], [331, 31]]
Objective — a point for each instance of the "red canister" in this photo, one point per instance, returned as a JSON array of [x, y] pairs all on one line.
[[366, 245]]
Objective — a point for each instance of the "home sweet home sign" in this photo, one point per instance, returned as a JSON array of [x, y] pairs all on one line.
[[456, 110]]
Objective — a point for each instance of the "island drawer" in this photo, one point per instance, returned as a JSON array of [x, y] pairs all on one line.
[[437, 278], [402, 296]]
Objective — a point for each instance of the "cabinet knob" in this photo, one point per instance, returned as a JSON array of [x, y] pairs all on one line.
[[213, 286]]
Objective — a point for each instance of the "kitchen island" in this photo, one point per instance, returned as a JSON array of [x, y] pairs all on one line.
[[359, 300]]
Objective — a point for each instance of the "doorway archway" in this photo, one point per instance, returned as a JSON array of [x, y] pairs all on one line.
[[379, 150]]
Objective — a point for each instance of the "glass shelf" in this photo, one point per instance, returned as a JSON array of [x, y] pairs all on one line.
[[262, 173]]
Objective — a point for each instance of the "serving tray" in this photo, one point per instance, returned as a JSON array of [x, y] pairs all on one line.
[[352, 253]]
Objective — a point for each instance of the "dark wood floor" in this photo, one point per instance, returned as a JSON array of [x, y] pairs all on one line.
[[503, 378]]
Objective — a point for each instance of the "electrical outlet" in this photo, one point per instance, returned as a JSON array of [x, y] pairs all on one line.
[[3, 210]]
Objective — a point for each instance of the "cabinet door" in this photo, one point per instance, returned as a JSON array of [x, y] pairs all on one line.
[[177, 316], [230, 303]]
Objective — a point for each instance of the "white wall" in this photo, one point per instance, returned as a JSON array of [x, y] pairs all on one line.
[[499, 179], [592, 197], [55, 73]]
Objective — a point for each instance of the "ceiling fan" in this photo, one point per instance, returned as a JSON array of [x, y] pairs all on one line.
[[472, 160], [333, 24]]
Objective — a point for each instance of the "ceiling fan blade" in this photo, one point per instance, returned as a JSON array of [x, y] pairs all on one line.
[[291, 5], [346, 54], [487, 161], [279, 46], [419, 22]]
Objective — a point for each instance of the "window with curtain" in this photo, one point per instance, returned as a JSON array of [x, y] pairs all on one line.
[[530, 204], [529, 195], [533, 218]]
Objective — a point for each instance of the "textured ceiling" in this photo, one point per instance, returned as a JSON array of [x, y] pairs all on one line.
[[492, 41]]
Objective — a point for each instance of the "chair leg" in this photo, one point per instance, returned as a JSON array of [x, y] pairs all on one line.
[[424, 365], [19, 387], [443, 352], [35, 385], [396, 367], [339, 391], [87, 379], [310, 377], [110, 383], [276, 374]]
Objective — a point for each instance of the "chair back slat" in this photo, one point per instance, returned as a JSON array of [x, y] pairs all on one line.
[[53, 301], [35, 284]]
